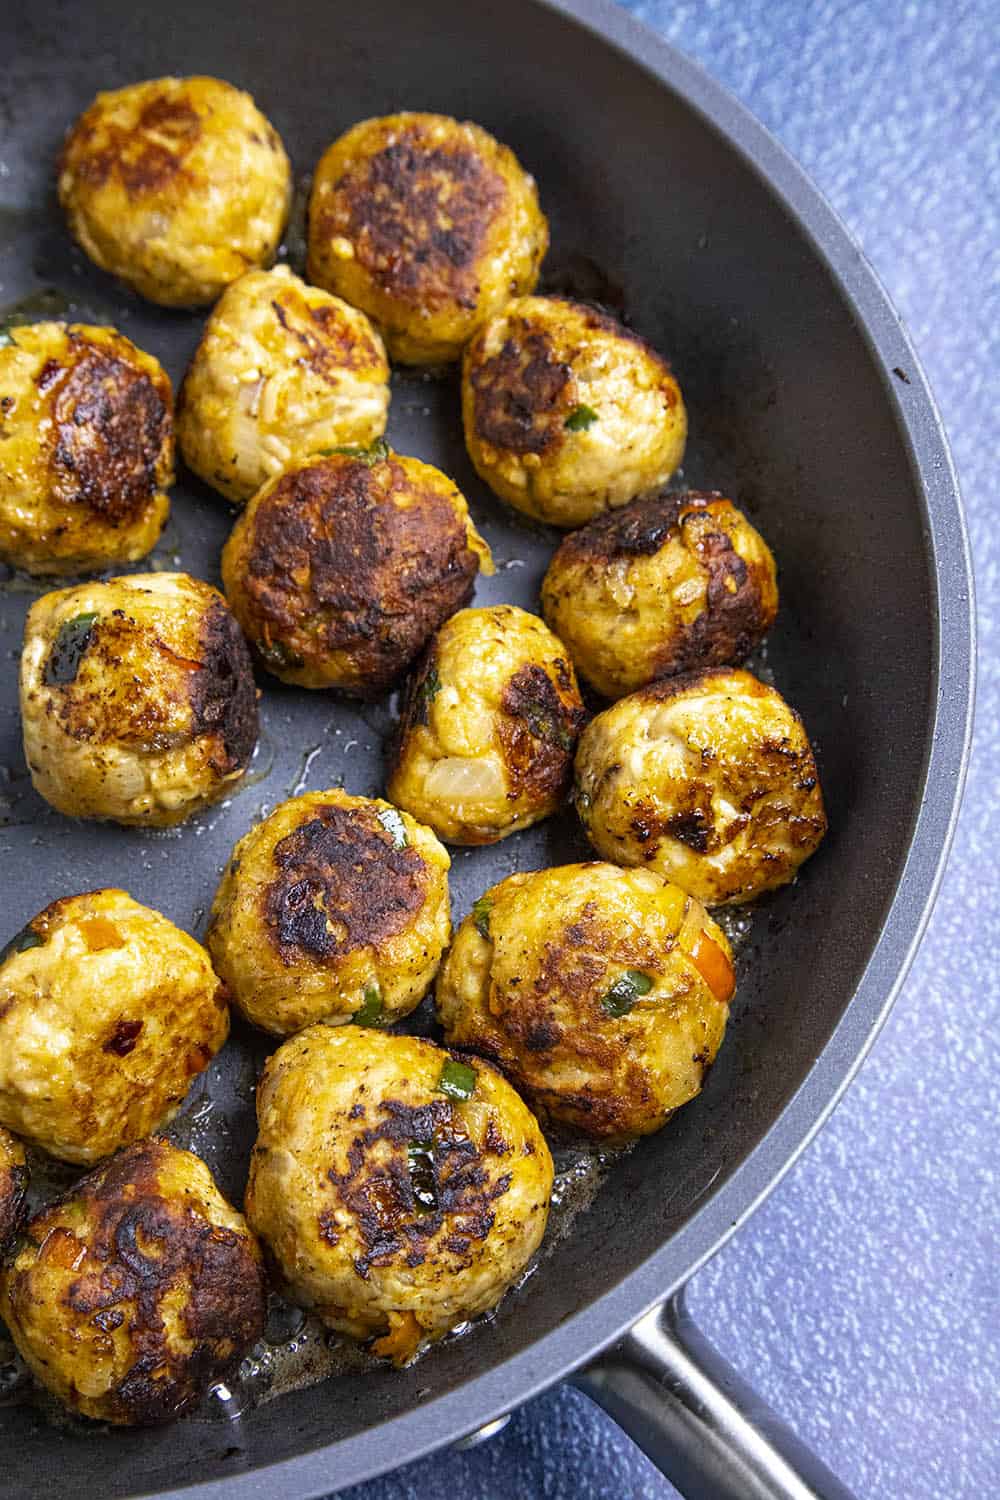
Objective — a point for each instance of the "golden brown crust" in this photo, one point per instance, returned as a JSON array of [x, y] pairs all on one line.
[[427, 223], [530, 981], [708, 599], [145, 157], [342, 883], [13, 1186], [112, 422], [159, 1284], [517, 393], [538, 729], [342, 569], [418, 213]]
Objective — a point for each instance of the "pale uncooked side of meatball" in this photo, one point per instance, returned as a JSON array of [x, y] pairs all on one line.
[[566, 412], [283, 369], [429, 224], [400, 1191], [138, 701], [176, 186], [333, 908], [13, 1185], [134, 1292], [708, 778], [602, 993], [489, 722], [664, 585], [108, 1013], [341, 569], [86, 448]]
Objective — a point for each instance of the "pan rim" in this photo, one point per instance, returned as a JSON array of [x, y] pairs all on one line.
[[556, 1355]]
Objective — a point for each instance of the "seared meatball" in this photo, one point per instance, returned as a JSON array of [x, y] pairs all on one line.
[[567, 413], [661, 586], [177, 186], [137, 698], [708, 778], [602, 993], [342, 568], [134, 1292], [335, 908], [429, 225], [489, 722], [13, 1186], [108, 1012], [86, 448], [399, 1190], [282, 370]]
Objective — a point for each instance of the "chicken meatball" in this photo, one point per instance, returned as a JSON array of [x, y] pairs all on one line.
[[489, 722], [429, 225], [176, 186], [664, 585], [400, 1190], [343, 567], [138, 1289], [707, 778], [108, 1012], [137, 698], [567, 413], [335, 908], [282, 370], [602, 993], [86, 448], [13, 1186]]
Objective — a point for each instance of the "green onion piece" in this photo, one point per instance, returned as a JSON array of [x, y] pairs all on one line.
[[580, 418], [70, 646], [369, 1012], [481, 915], [457, 1080], [420, 1160], [277, 655], [394, 826], [622, 995], [25, 939], [430, 687], [375, 453]]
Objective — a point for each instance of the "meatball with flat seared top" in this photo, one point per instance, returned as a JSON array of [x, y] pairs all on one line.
[[13, 1186], [283, 369], [335, 908], [707, 778], [176, 186], [428, 224], [86, 448], [602, 993], [138, 701], [399, 1189], [664, 585], [489, 722], [567, 413], [108, 1013], [136, 1290], [343, 567]]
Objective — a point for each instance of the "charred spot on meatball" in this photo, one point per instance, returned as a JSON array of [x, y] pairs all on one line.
[[144, 158], [517, 394], [222, 692], [419, 215], [111, 423], [13, 1187], [538, 730], [343, 883]]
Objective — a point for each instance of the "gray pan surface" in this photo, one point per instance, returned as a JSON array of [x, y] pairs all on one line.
[[664, 194]]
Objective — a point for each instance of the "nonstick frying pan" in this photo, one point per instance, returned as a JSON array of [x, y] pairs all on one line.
[[668, 202]]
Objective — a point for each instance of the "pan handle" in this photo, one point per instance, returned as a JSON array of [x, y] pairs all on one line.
[[699, 1422]]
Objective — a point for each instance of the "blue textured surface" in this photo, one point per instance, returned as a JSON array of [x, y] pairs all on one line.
[[862, 1300]]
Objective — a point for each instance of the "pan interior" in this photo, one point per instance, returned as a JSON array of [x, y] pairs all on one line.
[[788, 415]]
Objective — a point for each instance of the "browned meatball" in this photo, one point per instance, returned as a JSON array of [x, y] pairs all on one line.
[[664, 585], [13, 1185], [343, 567], [137, 1289]]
